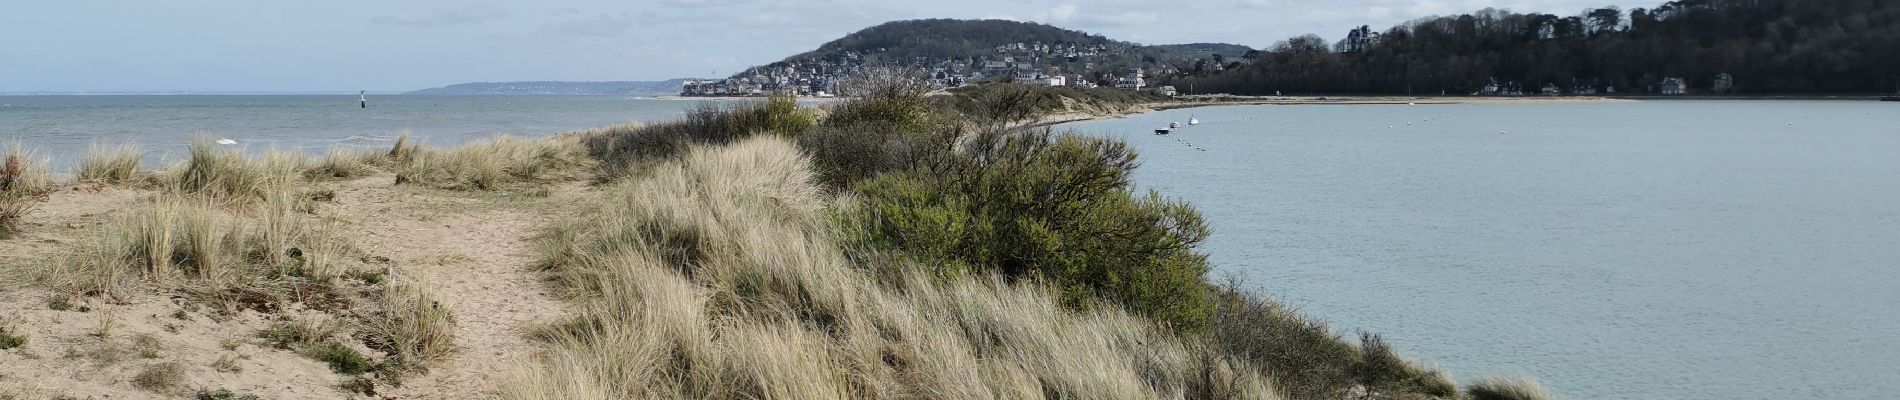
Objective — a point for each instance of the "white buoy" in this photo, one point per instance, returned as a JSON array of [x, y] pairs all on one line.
[[227, 142]]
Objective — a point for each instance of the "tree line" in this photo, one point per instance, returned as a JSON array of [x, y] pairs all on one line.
[[1767, 46]]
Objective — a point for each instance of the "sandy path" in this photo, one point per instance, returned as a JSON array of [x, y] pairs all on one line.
[[475, 260]]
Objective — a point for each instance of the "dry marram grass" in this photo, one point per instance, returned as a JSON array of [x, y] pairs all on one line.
[[109, 164], [716, 276], [1501, 388]]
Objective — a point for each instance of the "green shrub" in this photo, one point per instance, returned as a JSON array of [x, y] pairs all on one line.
[[342, 359], [1036, 204], [10, 340]]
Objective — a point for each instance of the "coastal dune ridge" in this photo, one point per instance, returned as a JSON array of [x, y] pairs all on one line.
[[753, 250]]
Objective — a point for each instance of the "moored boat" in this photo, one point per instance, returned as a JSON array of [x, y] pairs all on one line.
[[1163, 131]]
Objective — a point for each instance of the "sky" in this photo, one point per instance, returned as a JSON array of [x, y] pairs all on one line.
[[400, 45]]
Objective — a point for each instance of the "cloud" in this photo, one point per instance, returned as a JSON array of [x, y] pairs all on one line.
[[598, 25], [439, 18]]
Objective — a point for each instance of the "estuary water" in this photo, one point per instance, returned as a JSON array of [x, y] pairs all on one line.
[[1641, 250], [61, 127]]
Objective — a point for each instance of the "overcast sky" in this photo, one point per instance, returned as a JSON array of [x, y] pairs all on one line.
[[392, 45]]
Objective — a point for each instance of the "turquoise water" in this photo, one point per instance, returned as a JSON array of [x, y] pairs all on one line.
[[1652, 250], [61, 127]]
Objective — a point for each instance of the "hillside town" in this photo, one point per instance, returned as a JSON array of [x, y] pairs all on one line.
[[1061, 64]]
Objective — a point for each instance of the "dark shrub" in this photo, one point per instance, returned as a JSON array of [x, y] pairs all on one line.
[[1056, 207]]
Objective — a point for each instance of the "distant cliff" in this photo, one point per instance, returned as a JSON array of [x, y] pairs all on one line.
[[618, 88]]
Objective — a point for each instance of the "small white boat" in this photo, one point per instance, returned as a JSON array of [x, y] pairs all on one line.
[[226, 142], [1193, 121], [1174, 125]]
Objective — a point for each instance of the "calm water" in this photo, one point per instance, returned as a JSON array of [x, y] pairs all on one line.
[[62, 127], [1655, 250]]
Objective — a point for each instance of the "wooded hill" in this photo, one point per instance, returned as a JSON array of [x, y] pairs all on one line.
[[1768, 46], [963, 45]]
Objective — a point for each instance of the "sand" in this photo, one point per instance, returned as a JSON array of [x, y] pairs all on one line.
[[471, 250]]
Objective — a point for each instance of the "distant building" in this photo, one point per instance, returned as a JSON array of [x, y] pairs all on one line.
[[1551, 89], [1167, 91], [1135, 80], [1675, 87], [1724, 83], [1359, 40]]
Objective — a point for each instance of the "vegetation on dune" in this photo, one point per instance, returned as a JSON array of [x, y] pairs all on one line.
[[109, 165], [1004, 104], [23, 184], [1520, 388], [1035, 204], [905, 248], [226, 173], [718, 275], [894, 246], [499, 164], [621, 147], [232, 232]]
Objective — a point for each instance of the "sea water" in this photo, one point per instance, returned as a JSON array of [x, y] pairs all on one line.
[[1640, 250]]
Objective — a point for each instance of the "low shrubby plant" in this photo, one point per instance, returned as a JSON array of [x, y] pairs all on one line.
[[1032, 204]]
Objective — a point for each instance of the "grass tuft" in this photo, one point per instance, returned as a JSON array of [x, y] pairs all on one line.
[[163, 377], [226, 173], [1500, 388], [114, 165], [342, 359], [10, 340], [504, 163], [23, 184], [411, 327], [343, 163]]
